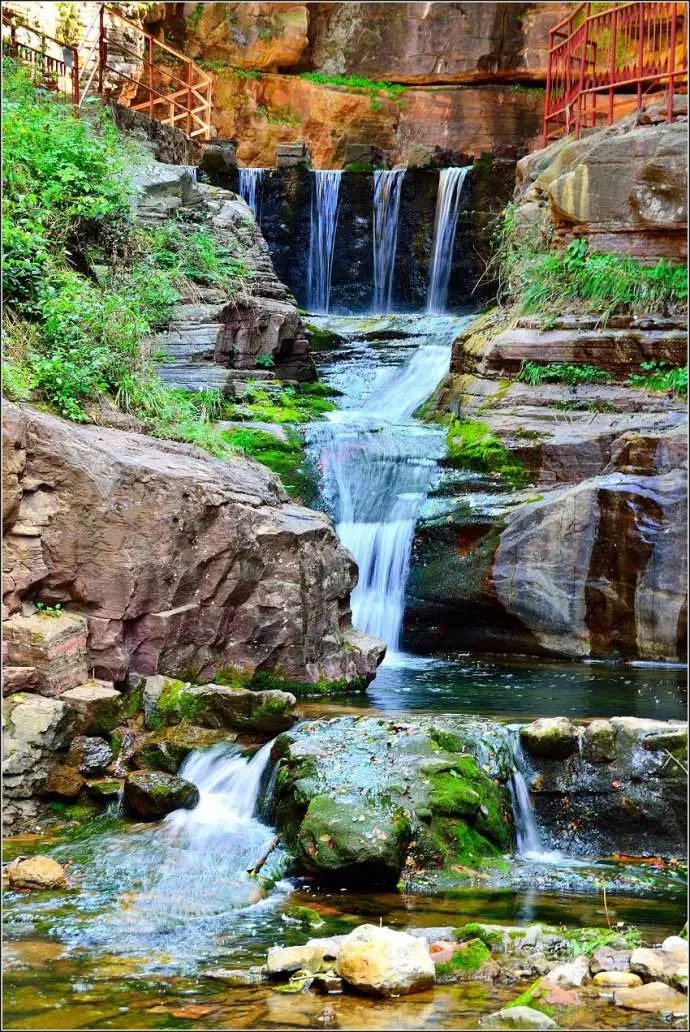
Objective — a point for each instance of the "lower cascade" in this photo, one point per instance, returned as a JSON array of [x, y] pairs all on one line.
[[250, 183], [377, 463], [387, 190], [324, 218], [450, 184]]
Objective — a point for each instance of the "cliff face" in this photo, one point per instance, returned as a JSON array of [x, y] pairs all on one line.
[[176, 560], [473, 74]]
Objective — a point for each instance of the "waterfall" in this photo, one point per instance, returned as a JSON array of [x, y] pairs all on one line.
[[529, 840], [377, 465], [387, 190], [450, 184], [250, 179], [324, 217]]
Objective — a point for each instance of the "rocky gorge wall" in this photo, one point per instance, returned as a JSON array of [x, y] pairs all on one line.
[[584, 553], [472, 75]]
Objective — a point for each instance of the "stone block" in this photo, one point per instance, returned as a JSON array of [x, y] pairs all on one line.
[[53, 646]]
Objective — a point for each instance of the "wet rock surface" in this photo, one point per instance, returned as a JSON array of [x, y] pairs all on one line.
[[374, 798], [382, 962], [630, 801], [36, 872], [152, 795]]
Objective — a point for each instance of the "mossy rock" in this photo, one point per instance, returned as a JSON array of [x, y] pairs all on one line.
[[353, 843], [465, 963], [152, 795]]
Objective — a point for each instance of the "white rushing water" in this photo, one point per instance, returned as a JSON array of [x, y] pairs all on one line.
[[387, 191], [325, 197], [250, 182], [530, 845], [450, 184], [378, 462]]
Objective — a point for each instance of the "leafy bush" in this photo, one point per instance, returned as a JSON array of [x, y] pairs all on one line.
[[535, 373], [538, 279], [661, 376]]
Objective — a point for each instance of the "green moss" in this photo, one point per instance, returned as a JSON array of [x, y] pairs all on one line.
[[530, 998], [277, 680], [470, 957], [175, 703], [356, 83], [304, 916], [470, 444], [489, 936], [452, 796]]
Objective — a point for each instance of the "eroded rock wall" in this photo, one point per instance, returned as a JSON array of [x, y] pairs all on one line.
[[177, 560]]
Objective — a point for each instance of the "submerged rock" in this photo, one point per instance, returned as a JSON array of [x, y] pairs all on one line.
[[369, 798], [653, 998], [382, 962], [571, 974], [152, 795], [518, 1017], [36, 872]]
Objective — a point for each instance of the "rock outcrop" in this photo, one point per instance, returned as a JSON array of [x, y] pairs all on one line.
[[176, 560], [619, 789], [623, 188], [350, 809], [216, 333]]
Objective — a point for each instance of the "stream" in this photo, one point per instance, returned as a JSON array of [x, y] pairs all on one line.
[[157, 908]]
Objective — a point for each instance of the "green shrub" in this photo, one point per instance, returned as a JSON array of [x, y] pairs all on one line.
[[661, 376], [538, 279], [536, 373]]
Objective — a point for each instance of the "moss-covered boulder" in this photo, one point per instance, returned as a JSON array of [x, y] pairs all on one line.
[[168, 701], [167, 749], [366, 798], [352, 841], [152, 795]]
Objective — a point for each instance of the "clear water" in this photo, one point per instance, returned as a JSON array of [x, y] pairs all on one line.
[[325, 199], [387, 192], [450, 184], [250, 184]]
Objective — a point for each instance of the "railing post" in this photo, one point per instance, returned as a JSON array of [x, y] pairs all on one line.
[[189, 98], [547, 97], [671, 63], [612, 68], [102, 52], [75, 77], [150, 39], [581, 81], [640, 54]]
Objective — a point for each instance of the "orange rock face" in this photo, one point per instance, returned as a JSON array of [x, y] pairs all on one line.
[[245, 35], [261, 113]]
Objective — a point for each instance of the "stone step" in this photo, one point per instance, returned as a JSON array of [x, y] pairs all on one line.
[[197, 377], [194, 312], [205, 334], [187, 353]]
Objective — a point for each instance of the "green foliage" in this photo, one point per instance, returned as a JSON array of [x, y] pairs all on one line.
[[538, 279], [355, 82], [585, 941], [661, 376], [469, 957], [360, 166], [47, 610], [290, 406], [215, 65], [282, 457], [471, 444], [195, 17], [536, 373], [266, 361]]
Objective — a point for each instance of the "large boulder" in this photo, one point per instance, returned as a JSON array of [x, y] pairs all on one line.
[[152, 795], [168, 701], [366, 798], [48, 649], [37, 731], [249, 579], [382, 962]]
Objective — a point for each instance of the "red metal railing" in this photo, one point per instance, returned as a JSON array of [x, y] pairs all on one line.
[[603, 63], [54, 64], [183, 100], [187, 105]]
